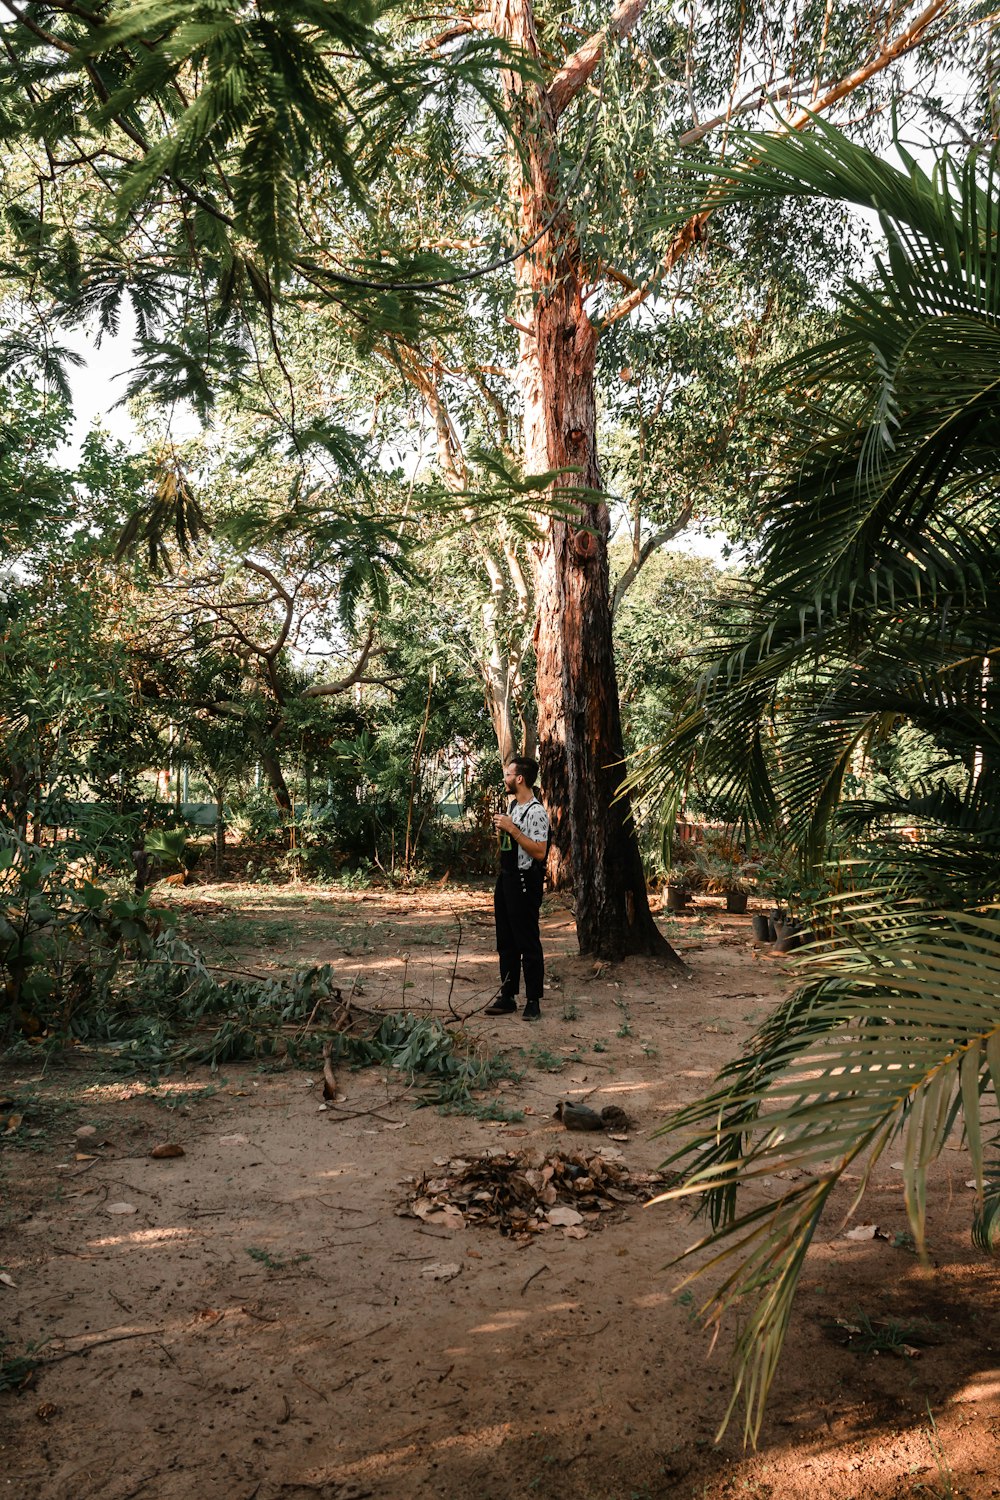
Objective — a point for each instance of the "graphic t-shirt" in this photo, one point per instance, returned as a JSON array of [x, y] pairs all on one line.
[[533, 821]]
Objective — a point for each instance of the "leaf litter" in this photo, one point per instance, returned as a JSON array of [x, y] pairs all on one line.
[[523, 1193]]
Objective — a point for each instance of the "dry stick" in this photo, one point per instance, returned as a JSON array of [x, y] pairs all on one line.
[[343, 1115], [117, 1338], [329, 1077], [590, 1334], [532, 1277], [359, 1337], [454, 969], [312, 1388]]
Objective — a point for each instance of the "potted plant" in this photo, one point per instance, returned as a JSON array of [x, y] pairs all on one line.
[[725, 874], [680, 886]]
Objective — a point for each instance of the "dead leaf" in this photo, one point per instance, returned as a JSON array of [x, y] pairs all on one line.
[[862, 1232], [233, 1140], [564, 1216], [575, 1232], [121, 1208], [84, 1156], [442, 1270], [7, 1279], [13, 1123], [84, 1132], [167, 1151], [439, 1215]]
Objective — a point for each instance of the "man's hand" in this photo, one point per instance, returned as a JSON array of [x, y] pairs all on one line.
[[537, 848]]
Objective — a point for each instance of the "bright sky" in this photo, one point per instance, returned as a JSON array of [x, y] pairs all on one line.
[[96, 388]]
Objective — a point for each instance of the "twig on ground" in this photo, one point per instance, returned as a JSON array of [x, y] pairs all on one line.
[[312, 1388], [359, 1337], [116, 1338], [260, 1317], [589, 1333], [454, 969], [532, 1277]]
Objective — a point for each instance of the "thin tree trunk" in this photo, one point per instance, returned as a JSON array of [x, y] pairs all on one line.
[[220, 833], [579, 718], [274, 775]]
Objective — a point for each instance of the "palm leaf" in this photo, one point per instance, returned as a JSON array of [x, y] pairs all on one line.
[[894, 1035]]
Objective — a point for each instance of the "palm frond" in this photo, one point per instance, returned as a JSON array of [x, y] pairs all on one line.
[[892, 1035]]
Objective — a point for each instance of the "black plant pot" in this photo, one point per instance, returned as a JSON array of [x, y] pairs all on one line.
[[762, 927], [736, 901], [773, 918], [787, 935]]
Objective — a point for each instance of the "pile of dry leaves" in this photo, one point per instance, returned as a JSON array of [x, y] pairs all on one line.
[[521, 1193]]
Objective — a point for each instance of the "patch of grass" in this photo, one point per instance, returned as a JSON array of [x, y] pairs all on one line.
[[885, 1335], [431, 936], [543, 1059], [274, 1262], [484, 1109], [178, 1098], [625, 1029], [944, 1489], [17, 1370], [570, 1013], [685, 1299], [600, 1046]]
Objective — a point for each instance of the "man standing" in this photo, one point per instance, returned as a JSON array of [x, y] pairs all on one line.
[[517, 899]]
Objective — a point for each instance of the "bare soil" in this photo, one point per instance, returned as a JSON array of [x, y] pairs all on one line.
[[265, 1325]]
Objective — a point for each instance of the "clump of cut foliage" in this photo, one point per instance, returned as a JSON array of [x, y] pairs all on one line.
[[446, 1065]]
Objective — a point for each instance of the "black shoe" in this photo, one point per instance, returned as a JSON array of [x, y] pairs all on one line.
[[532, 1011], [503, 1005]]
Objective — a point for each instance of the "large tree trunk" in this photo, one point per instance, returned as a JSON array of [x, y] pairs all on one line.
[[579, 718]]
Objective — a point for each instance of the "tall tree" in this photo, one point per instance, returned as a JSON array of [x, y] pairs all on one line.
[[230, 127], [579, 726]]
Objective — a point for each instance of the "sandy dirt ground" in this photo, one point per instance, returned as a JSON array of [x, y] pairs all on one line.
[[261, 1323]]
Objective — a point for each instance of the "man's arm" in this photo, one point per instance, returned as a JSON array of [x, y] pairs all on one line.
[[537, 848]]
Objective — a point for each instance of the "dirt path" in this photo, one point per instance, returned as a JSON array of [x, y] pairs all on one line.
[[264, 1325]]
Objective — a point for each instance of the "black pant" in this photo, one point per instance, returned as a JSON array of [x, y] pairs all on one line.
[[517, 901]]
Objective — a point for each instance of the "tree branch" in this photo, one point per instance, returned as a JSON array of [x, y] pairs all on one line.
[[289, 602], [690, 233], [579, 66], [329, 689], [650, 545]]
